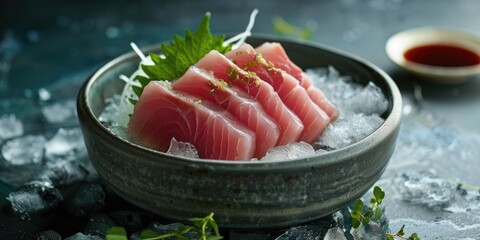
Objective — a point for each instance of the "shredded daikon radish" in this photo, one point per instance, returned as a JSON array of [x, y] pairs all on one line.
[[240, 38]]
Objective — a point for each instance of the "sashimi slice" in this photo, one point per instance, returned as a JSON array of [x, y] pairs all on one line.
[[199, 83], [294, 96], [290, 125], [162, 114], [319, 98], [275, 54]]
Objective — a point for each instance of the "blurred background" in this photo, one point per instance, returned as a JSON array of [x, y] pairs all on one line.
[[48, 49]]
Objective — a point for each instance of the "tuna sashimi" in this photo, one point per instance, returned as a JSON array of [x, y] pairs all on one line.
[[199, 83], [290, 125], [275, 54], [319, 98], [294, 96], [162, 114]]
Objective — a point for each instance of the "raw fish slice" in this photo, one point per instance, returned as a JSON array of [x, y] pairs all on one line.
[[275, 54], [290, 125], [162, 114], [294, 96], [203, 85], [319, 98]]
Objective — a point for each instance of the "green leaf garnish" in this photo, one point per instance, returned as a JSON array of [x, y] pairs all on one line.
[[203, 229], [363, 216], [116, 233], [181, 53]]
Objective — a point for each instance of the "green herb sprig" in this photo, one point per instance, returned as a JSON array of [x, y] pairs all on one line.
[[360, 216], [180, 54], [205, 229]]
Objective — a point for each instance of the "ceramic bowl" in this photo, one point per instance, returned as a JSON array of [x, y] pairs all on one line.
[[241, 194], [400, 43]]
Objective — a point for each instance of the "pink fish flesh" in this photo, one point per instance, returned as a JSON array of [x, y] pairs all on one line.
[[290, 125], [203, 85], [294, 96], [275, 54], [162, 114]]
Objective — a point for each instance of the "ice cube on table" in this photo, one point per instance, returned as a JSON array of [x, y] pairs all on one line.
[[182, 149], [24, 150], [65, 144], [371, 231], [335, 233], [289, 151], [34, 197], [59, 112], [425, 188], [64, 173], [10, 127]]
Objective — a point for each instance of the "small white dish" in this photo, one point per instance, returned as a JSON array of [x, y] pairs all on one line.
[[463, 46]]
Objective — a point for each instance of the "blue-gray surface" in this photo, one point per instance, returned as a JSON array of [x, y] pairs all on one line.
[[47, 49]]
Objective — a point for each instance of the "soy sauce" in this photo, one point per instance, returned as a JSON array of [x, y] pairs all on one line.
[[442, 55]]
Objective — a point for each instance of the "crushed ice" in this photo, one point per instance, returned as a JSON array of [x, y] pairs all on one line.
[[65, 144], [10, 127], [289, 151], [24, 150], [425, 188], [182, 149]]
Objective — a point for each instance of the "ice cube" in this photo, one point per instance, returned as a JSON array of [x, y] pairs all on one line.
[[289, 151], [34, 197], [348, 130], [81, 236], [116, 112], [370, 100], [182, 149], [371, 231], [335, 233], [64, 173], [65, 144], [24, 150], [300, 233], [10, 127], [425, 188], [311, 230], [84, 199], [59, 112]]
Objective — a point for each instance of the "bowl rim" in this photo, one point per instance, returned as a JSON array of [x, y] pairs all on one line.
[[337, 156], [400, 42]]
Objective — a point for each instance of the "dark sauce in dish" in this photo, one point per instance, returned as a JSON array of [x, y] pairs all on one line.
[[442, 55]]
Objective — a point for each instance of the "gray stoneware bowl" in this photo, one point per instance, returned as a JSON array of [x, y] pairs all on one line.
[[241, 194]]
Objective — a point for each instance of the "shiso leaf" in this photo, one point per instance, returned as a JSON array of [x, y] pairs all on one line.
[[181, 53]]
